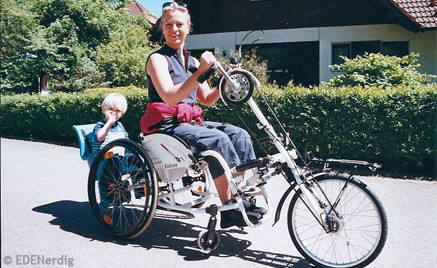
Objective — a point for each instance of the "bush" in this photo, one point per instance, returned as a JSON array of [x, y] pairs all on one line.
[[377, 70], [50, 118], [395, 127]]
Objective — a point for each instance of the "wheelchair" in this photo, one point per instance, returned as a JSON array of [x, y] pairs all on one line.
[[333, 219], [128, 182]]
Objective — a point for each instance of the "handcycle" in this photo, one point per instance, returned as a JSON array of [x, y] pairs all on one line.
[[334, 220]]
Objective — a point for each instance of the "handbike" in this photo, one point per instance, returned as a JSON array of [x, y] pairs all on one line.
[[334, 220]]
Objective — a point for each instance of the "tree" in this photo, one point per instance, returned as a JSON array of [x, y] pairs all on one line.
[[123, 59], [17, 68], [63, 37]]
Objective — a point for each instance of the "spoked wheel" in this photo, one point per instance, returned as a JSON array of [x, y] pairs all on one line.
[[242, 93], [207, 245], [351, 235], [122, 189]]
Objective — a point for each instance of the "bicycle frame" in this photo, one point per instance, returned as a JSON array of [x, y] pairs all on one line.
[[274, 138]]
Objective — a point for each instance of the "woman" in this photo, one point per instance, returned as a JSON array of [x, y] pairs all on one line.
[[174, 86]]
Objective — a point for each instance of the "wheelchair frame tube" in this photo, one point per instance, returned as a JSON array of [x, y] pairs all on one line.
[[234, 190]]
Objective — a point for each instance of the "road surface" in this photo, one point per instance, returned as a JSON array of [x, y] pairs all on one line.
[[45, 217]]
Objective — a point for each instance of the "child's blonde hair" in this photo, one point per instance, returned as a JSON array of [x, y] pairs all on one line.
[[115, 101]]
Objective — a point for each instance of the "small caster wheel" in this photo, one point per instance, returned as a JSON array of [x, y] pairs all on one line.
[[205, 245]]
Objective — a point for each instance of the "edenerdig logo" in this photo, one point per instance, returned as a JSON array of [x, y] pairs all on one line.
[[39, 260]]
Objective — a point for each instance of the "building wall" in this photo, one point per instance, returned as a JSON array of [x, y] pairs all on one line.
[[424, 43], [216, 16]]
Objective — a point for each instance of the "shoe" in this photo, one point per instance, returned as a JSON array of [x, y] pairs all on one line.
[[234, 217], [250, 206]]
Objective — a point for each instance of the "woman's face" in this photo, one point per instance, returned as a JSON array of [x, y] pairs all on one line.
[[175, 28]]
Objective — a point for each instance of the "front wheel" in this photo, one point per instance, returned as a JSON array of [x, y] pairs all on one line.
[[351, 232]]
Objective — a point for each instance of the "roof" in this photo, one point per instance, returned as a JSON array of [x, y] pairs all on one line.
[[135, 8], [422, 12]]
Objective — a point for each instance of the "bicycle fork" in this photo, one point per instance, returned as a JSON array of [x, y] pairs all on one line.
[[313, 201]]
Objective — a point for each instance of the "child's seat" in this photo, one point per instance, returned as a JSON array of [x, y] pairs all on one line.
[[86, 139]]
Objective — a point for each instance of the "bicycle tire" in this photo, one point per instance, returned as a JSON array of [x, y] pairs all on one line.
[[346, 245], [246, 88]]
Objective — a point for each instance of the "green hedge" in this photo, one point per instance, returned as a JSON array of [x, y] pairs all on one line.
[[50, 118], [396, 127]]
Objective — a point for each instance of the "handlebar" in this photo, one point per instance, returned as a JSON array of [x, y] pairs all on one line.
[[202, 78]]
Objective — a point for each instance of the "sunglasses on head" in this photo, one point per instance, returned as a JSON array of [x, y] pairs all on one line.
[[167, 4]]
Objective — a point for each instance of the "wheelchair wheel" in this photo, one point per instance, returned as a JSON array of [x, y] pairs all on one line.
[[123, 189], [353, 233], [206, 245]]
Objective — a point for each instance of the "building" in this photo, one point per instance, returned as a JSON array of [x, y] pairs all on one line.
[[136, 9], [303, 37]]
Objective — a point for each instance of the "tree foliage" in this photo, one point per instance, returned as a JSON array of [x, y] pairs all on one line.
[[123, 68], [249, 61], [377, 70], [67, 40], [17, 24]]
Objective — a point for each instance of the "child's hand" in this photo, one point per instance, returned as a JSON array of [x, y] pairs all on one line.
[[111, 116]]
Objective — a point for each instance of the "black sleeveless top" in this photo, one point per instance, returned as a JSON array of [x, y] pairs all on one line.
[[177, 72]]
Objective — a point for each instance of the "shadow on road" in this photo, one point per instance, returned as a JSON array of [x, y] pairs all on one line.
[[166, 232]]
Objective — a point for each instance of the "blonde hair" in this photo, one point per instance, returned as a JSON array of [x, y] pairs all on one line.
[[173, 7], [115, 101]]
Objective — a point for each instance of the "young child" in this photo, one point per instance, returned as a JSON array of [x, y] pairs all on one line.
[[114, 106]]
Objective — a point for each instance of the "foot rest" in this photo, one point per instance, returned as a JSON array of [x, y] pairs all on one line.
[[253, 164]]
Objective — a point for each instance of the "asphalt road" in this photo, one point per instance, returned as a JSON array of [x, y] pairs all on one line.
[[45, 214]]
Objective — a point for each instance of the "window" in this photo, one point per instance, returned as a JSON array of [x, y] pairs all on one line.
[[395, 48], [340, 50], [277, 57], [353, 49], [359, 48], [285, 61]]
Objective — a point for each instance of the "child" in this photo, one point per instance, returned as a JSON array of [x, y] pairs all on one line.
[[114, 106], [109, 129]]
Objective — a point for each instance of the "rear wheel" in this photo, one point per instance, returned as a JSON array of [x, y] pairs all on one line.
[[122, 189], [351, 234]]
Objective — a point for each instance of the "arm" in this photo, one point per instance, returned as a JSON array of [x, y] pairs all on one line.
[[101, 134], [206, 95], [157, 68]]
